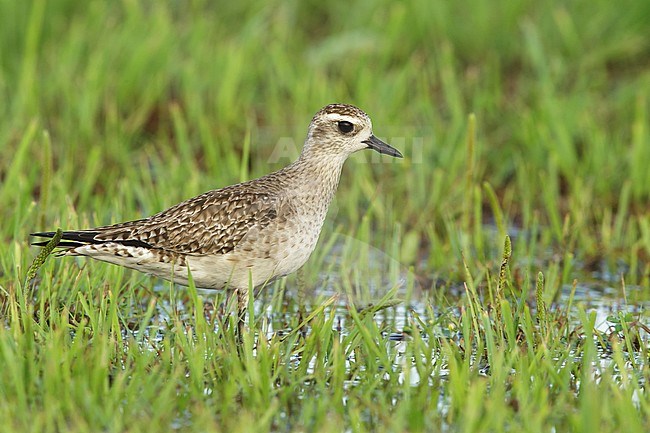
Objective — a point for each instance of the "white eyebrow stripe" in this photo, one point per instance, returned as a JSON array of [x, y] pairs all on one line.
[[355, 120], [342, 117]]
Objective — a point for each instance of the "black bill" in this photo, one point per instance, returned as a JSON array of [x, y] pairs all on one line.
[[381, 147]]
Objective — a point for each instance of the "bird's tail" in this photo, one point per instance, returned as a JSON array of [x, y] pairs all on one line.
[[70, 239], [78, 238]]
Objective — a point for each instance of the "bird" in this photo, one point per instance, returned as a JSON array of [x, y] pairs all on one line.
[[242, 236]]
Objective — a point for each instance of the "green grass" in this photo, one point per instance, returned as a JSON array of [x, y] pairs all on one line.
[[524, 118]]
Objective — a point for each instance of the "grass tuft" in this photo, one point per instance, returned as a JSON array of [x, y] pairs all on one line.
[[42, 256]]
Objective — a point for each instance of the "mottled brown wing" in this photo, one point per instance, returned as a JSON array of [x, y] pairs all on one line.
[[211, 223]]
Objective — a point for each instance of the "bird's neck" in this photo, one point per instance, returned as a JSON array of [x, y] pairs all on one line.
[[318, 176]]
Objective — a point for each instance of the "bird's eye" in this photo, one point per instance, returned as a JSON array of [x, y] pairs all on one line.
[[345, 126]]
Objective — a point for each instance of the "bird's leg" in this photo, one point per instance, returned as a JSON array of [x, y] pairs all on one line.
[[242, 305]]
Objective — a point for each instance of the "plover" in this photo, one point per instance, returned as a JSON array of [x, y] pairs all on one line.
[[242, 236]]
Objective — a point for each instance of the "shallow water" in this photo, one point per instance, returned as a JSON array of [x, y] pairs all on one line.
[[601, 299]]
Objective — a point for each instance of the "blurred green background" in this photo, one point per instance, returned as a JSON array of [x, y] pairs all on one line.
[[115, 110]]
